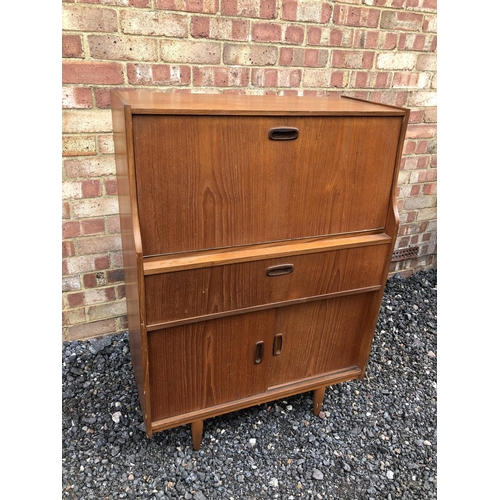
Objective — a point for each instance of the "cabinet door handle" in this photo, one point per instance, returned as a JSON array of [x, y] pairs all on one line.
[[259, 351], [278, 344], [283, 133], [279, 270]]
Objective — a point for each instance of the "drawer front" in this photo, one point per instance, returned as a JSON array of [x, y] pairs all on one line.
[[197, 292], [207, 182]]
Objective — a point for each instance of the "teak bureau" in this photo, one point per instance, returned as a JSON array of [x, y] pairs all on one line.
[[257, 235]]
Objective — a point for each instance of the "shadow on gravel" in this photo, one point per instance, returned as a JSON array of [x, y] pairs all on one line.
[[374, 439]]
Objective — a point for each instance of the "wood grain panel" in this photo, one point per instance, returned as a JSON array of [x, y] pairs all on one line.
[[208, 363], [214, 182], [197, 292], [319, 337], [132, 248], [143, 102]]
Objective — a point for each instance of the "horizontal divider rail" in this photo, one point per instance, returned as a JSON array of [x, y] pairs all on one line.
[[193, 260], [261, 307]]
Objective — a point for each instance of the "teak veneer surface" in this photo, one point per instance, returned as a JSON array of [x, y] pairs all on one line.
[[222, 288], [254, 266], [196, 186], [144, 102]]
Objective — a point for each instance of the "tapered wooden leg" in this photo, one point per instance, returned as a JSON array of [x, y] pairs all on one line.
[[196, 433], [319, 394]]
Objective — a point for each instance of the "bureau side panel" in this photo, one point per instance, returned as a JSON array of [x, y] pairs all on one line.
[[131, 246], [391, 229], [219, 181]]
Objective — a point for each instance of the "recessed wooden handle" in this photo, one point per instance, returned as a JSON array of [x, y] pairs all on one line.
[[279, 270], [283, 133], [259, 351], [278, 344]]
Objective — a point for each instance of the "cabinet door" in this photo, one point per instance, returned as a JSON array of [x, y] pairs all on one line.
[[319, 337], [218, 181], [204, 364]]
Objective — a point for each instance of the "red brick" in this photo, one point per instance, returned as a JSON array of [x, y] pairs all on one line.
[[411, 216], [104, 73], [102, 98], [101, 262], [405, 79], [72, 46], [266, 32], [91, 189], [370, 79], [200, 27], [294, 34], [430, 188], [68, 249], [206, 6], [70, 229], [65, 210], [92, 226], [75, 299], [110, 186], [272, 77], [355, 16], [390, 41], [120, 292], [422, 147], [139, 3], [90, 280], [415, 190], [409, 147], [423, 162], [303, 57], [416, 115]]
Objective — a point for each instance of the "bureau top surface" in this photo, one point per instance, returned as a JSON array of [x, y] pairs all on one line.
[[222, 104]]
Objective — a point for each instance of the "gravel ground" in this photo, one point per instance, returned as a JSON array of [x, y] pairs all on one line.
[[374, 439]]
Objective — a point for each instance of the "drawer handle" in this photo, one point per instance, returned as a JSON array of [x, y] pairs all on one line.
[[283, 133], [259, 351], [279, 270], [278, 344]]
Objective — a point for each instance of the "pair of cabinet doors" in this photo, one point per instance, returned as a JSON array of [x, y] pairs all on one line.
[[222, 360]]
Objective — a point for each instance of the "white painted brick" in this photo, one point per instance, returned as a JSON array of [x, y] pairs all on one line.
[[71, 190], [95, 207], [396, 60], [87, 121]]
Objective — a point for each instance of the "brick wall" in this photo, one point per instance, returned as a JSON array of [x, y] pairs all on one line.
[[381, 50]]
